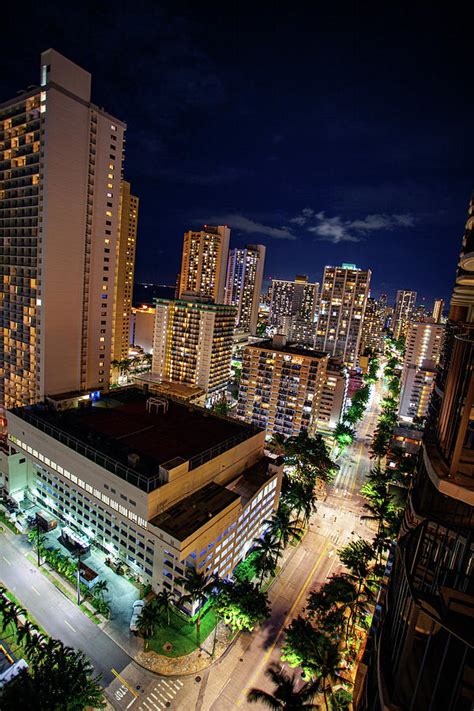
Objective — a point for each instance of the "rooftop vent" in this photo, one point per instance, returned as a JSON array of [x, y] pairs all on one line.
[[158, 403], [133, 459]]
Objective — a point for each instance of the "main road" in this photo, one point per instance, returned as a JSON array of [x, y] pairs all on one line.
[[337, 521]]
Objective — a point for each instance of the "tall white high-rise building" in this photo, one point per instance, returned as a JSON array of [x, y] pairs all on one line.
[[423, 347], [60, 172], [403, 313], [342, 307], [244, 284], [204, 262]]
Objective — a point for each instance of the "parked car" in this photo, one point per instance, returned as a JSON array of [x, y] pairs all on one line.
[[137, 609]]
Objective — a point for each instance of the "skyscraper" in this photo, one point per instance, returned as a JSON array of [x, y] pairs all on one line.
[[125, 271], [372, 325], [192, 342], [438, 310], [420, 655], [244, 284], [423, 347], [296, 298], [342, 307], [403, 313], [281, 386], [60, 173], [204, 262]]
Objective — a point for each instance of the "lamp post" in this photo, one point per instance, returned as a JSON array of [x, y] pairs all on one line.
[[79, 578], [38, 541]]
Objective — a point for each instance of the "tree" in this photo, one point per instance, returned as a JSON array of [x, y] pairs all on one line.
[[282, 527], [221, 406], [286, 694], [100, 588], [164, 603], [344, 435], [309, 457], [197, 588], [58, 679], [148, 620], [242, 605], [300, 498], [315, 653], [267, 551]]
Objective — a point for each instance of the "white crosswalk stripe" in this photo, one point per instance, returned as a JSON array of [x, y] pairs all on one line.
[[161, 696]]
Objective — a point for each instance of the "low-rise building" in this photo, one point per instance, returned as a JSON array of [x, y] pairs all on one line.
[[162, 485]]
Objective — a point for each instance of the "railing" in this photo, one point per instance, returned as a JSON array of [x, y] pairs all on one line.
[[145, 483]]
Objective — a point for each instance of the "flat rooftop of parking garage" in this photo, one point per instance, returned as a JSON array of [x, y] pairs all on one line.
[[118, 425], [191, 513]]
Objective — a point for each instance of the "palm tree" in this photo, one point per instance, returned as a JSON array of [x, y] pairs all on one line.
[[277, 444], [100, 588], [285, 695], [282, 527], [26, 631], [164, 602], [268, 552], [197, 588], [301, 499], [148, 621]]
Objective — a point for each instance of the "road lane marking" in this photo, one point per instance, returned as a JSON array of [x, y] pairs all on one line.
[[115, 673], [69, 625], [254, 676], [6, 560], [131, 703], [35, 590]]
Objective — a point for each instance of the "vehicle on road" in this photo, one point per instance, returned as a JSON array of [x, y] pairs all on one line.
[[137, 610]]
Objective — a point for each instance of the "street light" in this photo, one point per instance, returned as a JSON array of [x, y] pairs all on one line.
[[79, 577]]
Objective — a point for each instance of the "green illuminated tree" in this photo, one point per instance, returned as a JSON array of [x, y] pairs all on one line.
[[242, 605]]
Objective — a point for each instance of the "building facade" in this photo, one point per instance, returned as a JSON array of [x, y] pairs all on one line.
[[244, 285], [143, 326], [281, 386], [438, 309], [403, 312], [162, 486], [422, 352], [204, 262], [125, 271], [60, 174], [420, 652], [342, 305], [334, 397], [290, 299], [372, 326], [192, 342]]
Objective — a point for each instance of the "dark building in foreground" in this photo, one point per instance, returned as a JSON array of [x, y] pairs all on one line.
[[419, 655]]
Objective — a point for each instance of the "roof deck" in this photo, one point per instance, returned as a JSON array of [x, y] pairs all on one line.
[[118, 433], [190, 514]]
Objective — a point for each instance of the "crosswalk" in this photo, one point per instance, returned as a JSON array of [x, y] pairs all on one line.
[[161, 696], [335, 536]]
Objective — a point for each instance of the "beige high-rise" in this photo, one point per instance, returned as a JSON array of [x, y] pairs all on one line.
[[60, 173], [423, 348], [342, 307], [204, 262], [125, 271]]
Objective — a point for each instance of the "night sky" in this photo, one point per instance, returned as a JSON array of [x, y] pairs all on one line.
[[338, 133]]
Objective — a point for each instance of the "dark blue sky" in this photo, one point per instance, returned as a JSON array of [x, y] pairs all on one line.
[[338, 133]]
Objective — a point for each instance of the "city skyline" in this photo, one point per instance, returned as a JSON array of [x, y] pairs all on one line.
[[360, 173]]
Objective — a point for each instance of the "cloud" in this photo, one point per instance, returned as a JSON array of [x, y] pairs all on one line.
[[336, 229], [306, 214], [244, 224], [332, 229]]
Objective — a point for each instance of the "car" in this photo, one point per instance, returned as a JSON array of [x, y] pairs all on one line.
[[137, 609]]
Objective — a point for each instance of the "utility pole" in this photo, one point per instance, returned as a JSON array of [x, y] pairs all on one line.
[[38, 541], [79, 578]]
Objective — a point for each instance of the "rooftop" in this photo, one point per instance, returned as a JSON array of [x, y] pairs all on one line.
[[289, 348], [251, 480], [187, 516], [118, 425]]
